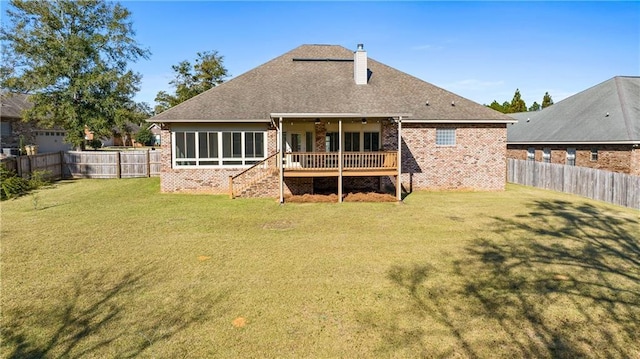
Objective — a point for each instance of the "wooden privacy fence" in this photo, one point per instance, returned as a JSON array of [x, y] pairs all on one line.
[[89, 164], [612, 187], [24, 166]]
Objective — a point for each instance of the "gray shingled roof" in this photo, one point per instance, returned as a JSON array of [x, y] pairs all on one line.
[[12, 105], [319, 79], [605, 113]]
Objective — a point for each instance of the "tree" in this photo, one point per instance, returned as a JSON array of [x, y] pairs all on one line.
[[145, 137], [207, 72], [546, 100], [72, 57], [535, 107], [495, 106], [517, 103]]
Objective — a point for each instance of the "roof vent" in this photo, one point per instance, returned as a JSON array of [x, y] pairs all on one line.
[[360, 66]]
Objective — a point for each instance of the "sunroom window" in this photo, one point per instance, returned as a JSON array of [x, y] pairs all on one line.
[[218, 148]]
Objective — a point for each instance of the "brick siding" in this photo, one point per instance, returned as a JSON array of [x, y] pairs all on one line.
[[476, 162], [615, 158]]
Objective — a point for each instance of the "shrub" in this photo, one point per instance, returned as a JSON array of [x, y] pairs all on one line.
[[12, 185], [39, 179], [95, 144], [145, 137]]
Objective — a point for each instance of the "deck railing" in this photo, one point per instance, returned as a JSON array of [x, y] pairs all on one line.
[[311, 161], [253, 174]]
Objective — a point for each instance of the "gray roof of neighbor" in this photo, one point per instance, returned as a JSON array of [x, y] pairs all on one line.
[[12, 105], [319, 79], [607, 112]]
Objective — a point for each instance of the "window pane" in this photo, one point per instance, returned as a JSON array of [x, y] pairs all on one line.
[[213, 145], [226, 144], [237, 145], [445, 136], [352, 141], [203, 148], [180, 145], [259, 141], [355, 142], [331, 141], [248, 144], [371, 141], [309, 141], [191, 144], [209, 163]]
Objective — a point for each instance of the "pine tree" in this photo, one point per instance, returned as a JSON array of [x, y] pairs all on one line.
[[517, 103], [535, 107], [546, 100]]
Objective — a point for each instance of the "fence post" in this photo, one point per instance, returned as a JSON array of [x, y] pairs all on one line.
[[61, 164], [148, 164], [118, 169], [231, 187], [30, 165]]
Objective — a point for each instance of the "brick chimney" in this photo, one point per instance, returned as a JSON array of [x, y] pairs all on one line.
[[360, 71]]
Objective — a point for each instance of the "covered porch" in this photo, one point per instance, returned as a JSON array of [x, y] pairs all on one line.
[[338, 145]]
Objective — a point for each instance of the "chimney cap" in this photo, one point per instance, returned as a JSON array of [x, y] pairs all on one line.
[[360, 47]]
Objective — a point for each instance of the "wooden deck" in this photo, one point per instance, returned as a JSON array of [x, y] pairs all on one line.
[[326, 164]]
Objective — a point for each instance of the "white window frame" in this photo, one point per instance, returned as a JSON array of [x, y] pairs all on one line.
[[546, 155], [223, 162], [594, 155], [531, 154], [446, 137], [571, 156]]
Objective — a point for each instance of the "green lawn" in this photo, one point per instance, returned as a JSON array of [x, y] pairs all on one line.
[[115, 269]]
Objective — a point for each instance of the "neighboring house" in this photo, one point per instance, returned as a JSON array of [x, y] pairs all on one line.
[[325, 118], [598, 128], [156, 130], [12, 128]]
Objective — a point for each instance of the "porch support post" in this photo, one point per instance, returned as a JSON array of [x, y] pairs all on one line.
[[399, 161], [339, 161], [280, 146]]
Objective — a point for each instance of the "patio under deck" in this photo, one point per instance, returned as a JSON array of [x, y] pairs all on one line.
[[328, 164]]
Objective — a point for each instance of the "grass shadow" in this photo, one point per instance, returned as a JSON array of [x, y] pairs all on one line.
[[93, 316], [561, 281]]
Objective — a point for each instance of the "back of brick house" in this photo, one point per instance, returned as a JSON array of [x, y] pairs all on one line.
[[323, 118]]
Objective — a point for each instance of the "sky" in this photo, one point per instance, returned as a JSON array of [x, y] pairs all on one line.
[[480, 50]]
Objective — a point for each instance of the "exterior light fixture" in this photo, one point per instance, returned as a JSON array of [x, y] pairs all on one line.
[[317, 121], [364, 121]]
